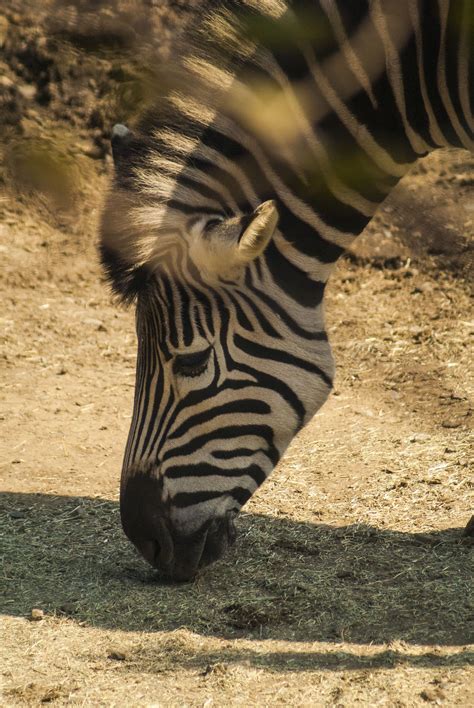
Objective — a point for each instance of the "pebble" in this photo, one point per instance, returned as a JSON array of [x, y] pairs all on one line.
[[117, 656], [28, 91], [36, 615], [5, 82], [419, 437], [16, 514], [451, 424], [431, 695], [98, 324]]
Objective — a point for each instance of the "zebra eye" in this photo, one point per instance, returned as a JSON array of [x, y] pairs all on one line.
[[202, 224], [212, 223], [191, 364]]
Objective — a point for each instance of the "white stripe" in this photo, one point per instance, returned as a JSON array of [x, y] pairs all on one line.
[[465, 81], [300, 208], [393, 66], [332, 11], [299, 98], [436, 133], [442, 83]]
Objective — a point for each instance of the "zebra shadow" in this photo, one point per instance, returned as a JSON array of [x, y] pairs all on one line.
[[283, 580]]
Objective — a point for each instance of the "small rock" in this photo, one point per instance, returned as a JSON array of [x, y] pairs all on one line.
[[16, 514], [5, 82], [419, 437], [345, 575], [92, 151], [28, 91], [36, 615], [433, 695], [98, 324], [68, 608], [451, 424], [117, 656]]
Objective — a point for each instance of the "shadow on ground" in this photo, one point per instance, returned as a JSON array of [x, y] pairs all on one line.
[[283, 580]]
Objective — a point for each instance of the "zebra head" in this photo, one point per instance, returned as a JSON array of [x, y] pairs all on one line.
[[232, 362]]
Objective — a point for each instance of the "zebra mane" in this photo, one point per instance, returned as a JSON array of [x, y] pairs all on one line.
[[140, 205]]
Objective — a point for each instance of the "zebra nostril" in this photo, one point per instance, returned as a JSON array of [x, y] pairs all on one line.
[[166, 553], [158, 551], [150, 550]]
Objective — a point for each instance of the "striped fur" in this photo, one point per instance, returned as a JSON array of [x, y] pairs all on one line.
[[320, 106]]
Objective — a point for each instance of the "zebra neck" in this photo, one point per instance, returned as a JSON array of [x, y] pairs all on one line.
[[320, 105], [345, 122]]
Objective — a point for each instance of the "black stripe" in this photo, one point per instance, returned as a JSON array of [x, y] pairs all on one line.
[[185, 499], [224, 433], [431, 43], [259, 316], [234, 454], [271, 383], [204, 469], [293, 281], [241, 406], [275, 307], [262, 352]]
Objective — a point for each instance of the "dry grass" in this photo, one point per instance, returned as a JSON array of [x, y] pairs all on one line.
[[288, 578]]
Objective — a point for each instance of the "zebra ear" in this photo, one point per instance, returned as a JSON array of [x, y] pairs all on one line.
[[222, 247], [256, 236]]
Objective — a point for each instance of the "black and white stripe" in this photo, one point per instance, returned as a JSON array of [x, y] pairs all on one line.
[[281, 130]]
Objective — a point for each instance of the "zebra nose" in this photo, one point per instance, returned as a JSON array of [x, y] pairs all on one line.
[[179, 561], [146, 522]]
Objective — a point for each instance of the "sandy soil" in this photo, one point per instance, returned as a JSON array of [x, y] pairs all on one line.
[[351, 582]]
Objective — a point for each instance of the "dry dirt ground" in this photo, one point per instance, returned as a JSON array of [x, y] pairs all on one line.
[[351, 582]]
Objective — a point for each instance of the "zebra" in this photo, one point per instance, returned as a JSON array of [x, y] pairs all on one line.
[[268, 149]]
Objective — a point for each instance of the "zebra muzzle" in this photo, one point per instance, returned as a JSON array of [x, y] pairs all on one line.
[[147, 523], [191, 554], [180, 557]]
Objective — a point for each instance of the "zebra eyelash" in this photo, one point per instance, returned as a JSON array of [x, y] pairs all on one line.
[[191, 365]]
